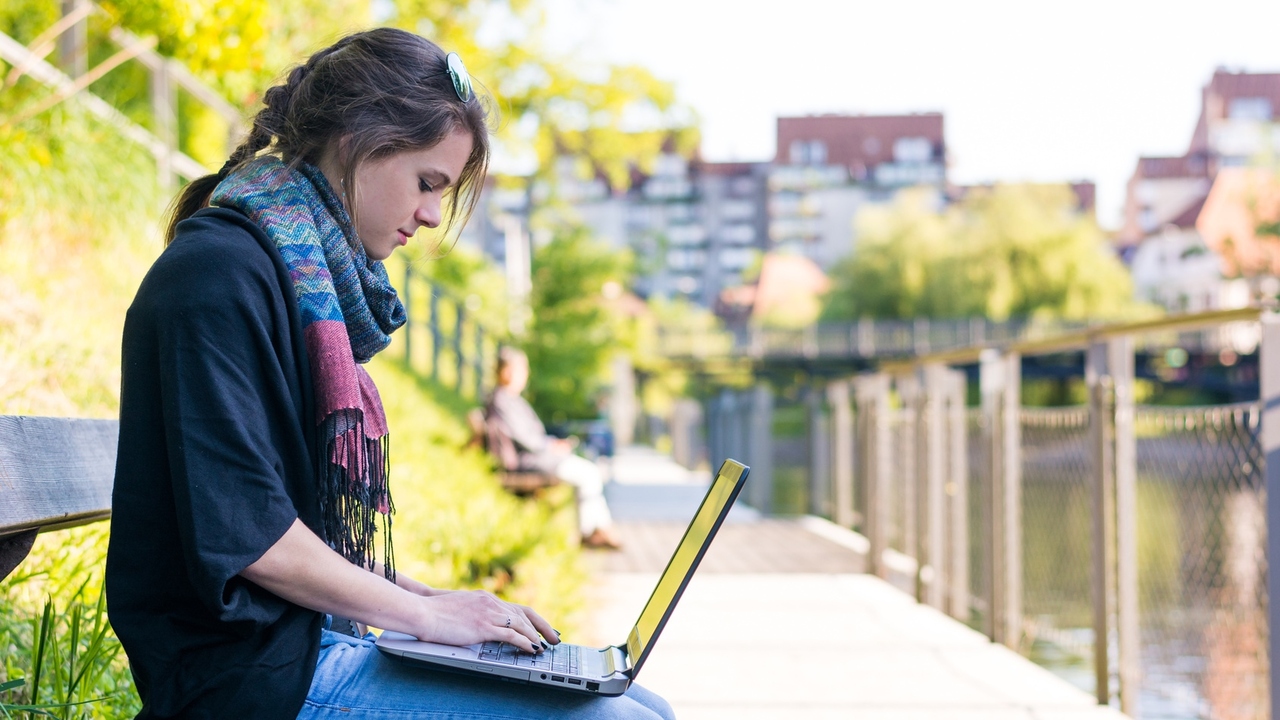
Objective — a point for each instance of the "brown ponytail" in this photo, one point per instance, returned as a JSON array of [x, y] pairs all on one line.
[[388, 92]]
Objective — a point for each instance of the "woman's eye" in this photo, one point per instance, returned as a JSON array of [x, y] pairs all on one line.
[[424, 186]]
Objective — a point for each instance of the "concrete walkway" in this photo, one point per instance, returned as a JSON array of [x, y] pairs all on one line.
[[779, 622]]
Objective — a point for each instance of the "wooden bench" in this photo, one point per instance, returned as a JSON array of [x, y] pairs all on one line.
[[54, 473], [519, 482]]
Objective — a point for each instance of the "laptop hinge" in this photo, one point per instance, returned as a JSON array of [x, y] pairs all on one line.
[[616, 661]]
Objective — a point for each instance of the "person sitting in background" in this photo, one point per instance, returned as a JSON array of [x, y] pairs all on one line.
[[537, 451]]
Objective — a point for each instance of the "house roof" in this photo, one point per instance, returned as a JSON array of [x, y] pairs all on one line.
[[1187, 166], [859, 142], [1226, 86]]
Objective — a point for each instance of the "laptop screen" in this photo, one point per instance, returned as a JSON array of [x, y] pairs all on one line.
[[724, 489]]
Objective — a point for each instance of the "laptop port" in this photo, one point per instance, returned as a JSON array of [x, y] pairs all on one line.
[[544, 676], [558, 678], [575, 681], [593, 686]]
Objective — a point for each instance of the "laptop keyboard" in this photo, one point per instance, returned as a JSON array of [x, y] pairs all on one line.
[[559, 658]]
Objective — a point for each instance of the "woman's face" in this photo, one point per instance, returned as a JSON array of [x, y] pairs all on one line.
[[400, 193]]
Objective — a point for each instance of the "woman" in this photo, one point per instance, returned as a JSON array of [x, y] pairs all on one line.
[[251, 481], [515, 418]]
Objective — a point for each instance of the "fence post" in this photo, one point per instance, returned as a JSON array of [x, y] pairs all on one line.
[[1269, 370], [819, 453], [935, 471], [841, 453], [164, 109], [760, 449], [1102, 433], [408, 312], [73, 44], [434, 326], [459, 356], [909, 472], [1120, 366], [873, 458], [478, 362], [991, 375], [1011, 500], [958, 492]]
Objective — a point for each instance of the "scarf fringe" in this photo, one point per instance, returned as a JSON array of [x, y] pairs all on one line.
[[354, 491]]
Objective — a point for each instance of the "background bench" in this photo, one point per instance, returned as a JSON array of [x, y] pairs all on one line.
[[54, 473], [489, 439]]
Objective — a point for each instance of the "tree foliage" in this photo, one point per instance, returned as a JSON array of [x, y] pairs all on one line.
[[574, 332], [1012, 251], [546, 104]]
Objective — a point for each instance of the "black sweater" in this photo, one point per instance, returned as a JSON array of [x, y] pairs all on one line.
[[214, 465]]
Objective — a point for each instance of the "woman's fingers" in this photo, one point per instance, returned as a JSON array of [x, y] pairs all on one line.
[[540, 625]]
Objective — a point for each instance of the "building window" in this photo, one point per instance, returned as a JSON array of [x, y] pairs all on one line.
[[1249, 108], [912, 150], [808, 152]]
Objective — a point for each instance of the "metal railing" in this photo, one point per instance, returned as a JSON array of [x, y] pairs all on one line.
[[443, 339], [1122, 545], [879, 339], [167, 77]]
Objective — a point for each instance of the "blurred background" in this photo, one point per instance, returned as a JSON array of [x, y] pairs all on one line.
[[676, 186]]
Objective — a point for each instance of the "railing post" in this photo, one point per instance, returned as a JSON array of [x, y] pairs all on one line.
[[909, 470], [478, 362], [958, 492], [873, 458], [459, 356], [434, 327], [164, 109], [1102, 434], [935, 472], [760, 450], [1011, 502], [73, 44], [1001, 380], [819, 453], [407, 331], [1269, 369], [1120, 365], [841, 453]]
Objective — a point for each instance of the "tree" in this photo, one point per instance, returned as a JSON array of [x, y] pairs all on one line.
[[1012, 251], [545, 104], [573, 333]]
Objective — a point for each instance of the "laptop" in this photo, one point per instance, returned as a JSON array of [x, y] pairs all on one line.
[[595, 671]]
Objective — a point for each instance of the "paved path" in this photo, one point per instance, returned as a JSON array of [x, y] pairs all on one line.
[[779, 623]]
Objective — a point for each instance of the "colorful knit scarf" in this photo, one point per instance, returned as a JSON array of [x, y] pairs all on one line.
[[348, 309]]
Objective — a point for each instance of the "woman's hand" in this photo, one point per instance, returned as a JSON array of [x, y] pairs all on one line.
[[469, 617]]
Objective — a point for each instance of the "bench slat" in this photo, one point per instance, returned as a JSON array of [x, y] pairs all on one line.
[[55, 472]]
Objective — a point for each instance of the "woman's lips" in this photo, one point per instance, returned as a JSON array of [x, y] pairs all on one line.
[[404, 239]]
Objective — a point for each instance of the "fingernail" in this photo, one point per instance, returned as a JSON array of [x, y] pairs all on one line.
[[545, 646], [533, 649]]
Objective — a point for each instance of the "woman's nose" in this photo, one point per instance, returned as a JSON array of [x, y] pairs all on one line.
[[429, 213]]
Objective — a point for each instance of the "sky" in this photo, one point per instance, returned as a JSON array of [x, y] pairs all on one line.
[[1030, 90]]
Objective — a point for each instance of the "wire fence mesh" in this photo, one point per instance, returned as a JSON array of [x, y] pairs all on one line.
[[1057, 526], [1202, 563]]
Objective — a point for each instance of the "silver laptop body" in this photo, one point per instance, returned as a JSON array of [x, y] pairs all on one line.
[[597, 671]]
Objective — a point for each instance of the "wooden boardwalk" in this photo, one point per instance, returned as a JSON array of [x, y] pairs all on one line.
[[780, 622]]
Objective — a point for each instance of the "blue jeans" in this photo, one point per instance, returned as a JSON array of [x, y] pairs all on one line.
[[354, 681]]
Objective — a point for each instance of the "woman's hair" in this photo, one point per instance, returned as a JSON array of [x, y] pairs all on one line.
[[508, 356], [380, 92]]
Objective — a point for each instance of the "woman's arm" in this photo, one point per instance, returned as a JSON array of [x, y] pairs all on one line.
[[302, 569]]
